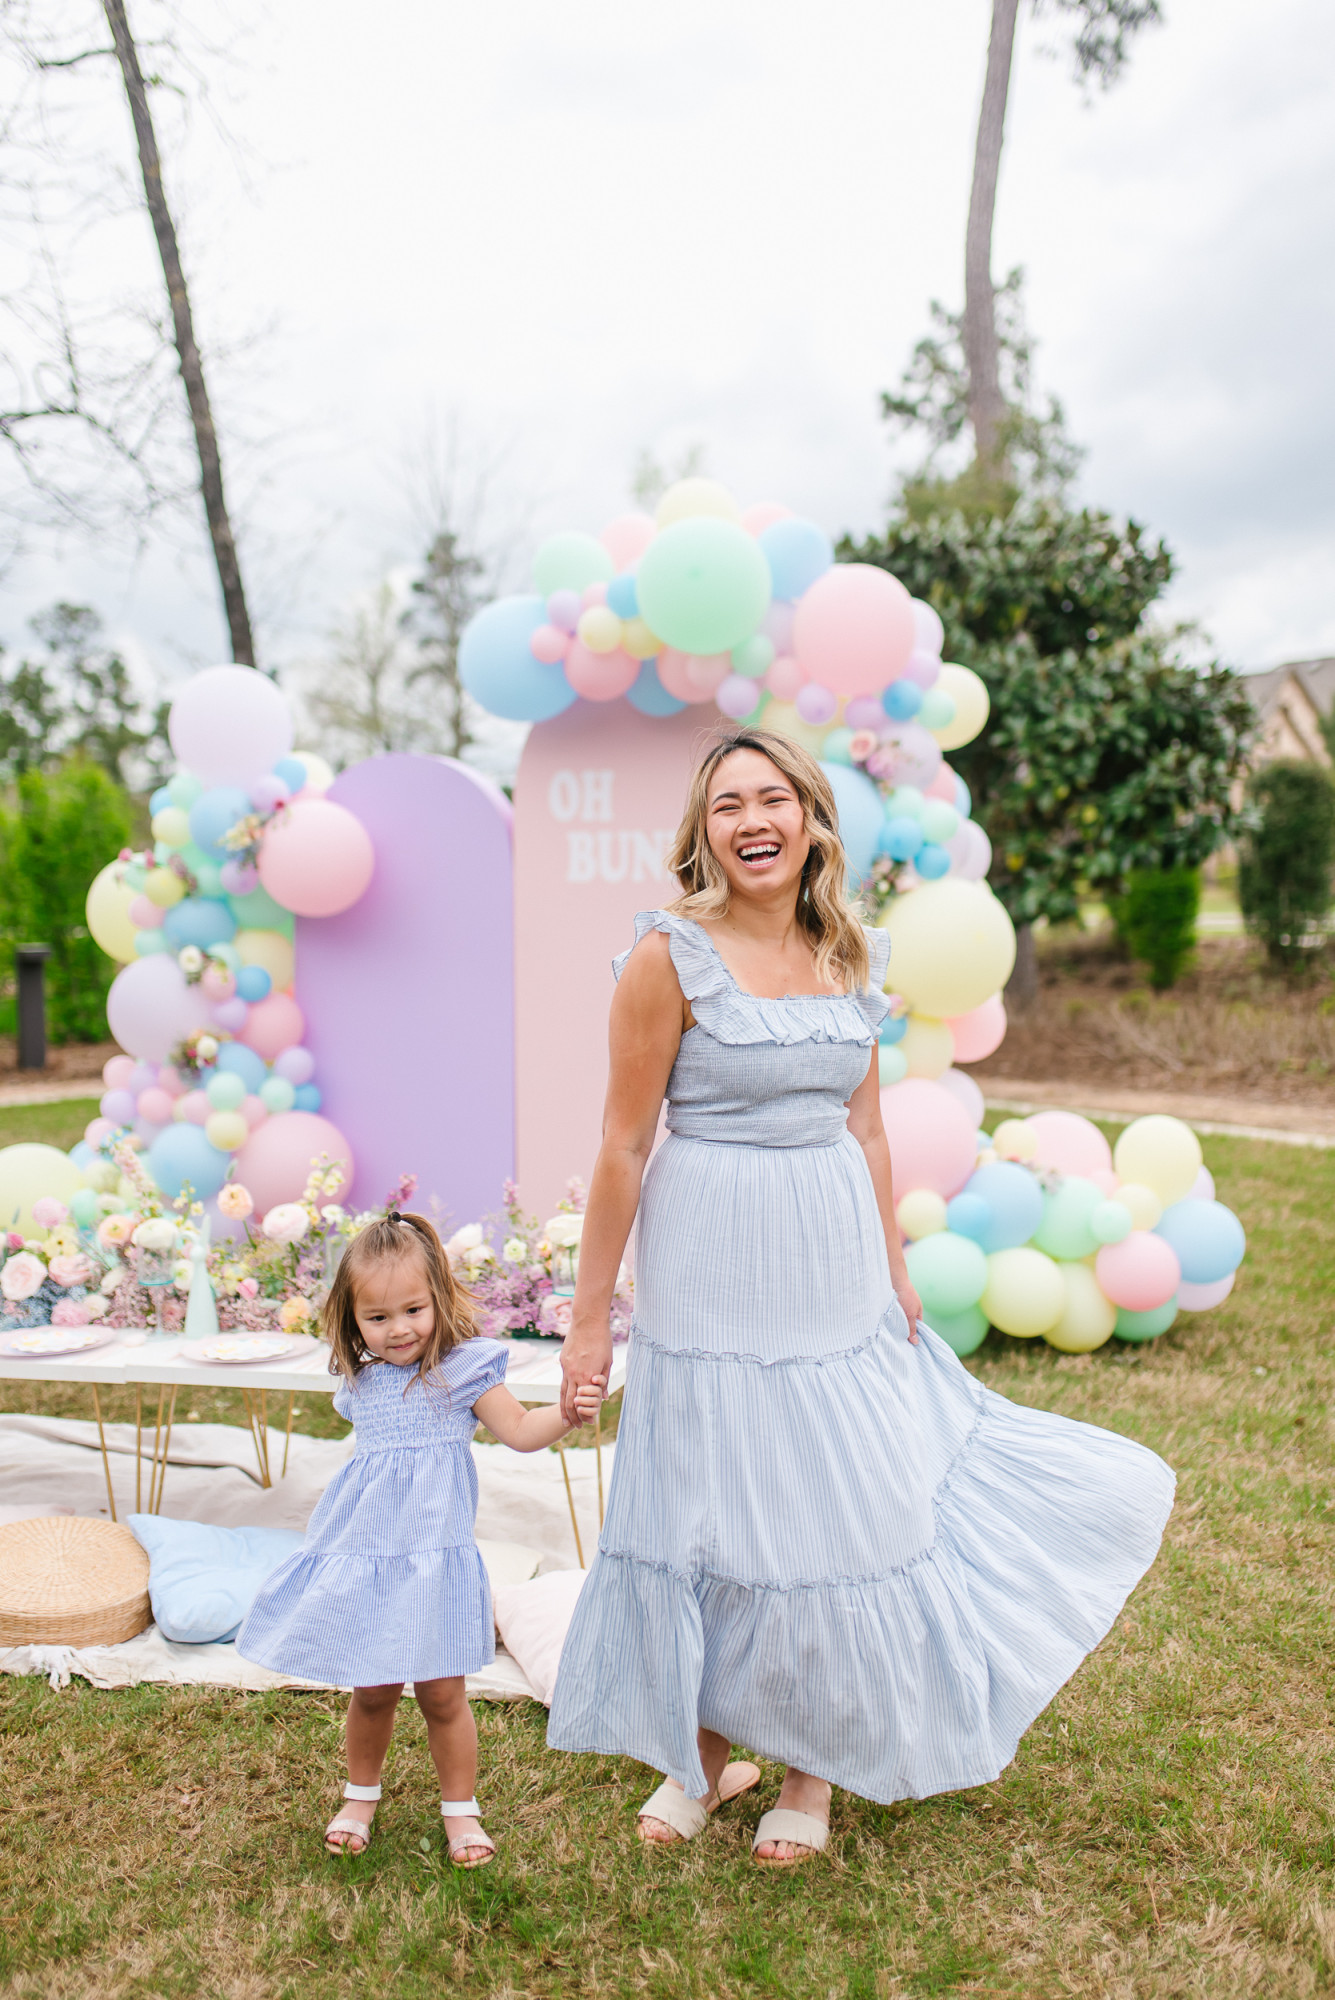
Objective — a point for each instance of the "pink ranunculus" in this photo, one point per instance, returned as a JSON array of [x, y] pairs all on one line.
[[235, 1201], [554, 1315], [863, 744], [13, 1241], [70, 1312], [248, 1289], [73, 1270], [48, 1213], [115, 1231], [22, 1275]]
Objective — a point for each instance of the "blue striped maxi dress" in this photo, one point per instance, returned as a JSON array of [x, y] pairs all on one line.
[[389, 1584], [833, 1547]]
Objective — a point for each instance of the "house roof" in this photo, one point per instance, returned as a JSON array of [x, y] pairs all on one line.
[[1288, 700], [1316, 676]]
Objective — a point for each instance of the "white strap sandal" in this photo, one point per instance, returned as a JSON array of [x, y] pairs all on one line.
[[466, 1809], [358, 1830], [686, 1816], [802, 1829]]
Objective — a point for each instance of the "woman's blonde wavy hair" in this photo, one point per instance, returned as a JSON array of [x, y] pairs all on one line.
[[838, 945]]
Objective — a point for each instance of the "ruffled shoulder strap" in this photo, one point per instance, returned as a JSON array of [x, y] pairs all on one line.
[[699, 968], [874, 1003]]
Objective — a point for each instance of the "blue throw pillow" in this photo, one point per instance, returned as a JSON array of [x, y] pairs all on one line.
[[202, 1580]]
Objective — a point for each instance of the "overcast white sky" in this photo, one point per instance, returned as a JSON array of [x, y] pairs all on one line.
[[605, 225]]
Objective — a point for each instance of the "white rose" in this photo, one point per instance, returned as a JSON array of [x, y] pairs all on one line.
[[563, 1231], [157, 1235], [464, 1240], [287, 1222], [515, 1250], [480, 1254], [181, 1274]]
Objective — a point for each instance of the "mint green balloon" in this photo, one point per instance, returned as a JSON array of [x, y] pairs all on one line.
[[1066, 1231], [754, 656], [940, 822], [905, 802], [225, 1090], [1112, 1221], [964, 1331], [703, 585], [937, 710], [834, 750], [1146, 1325], [571, 561], [259, 912], [949, 1271], [185, 788]]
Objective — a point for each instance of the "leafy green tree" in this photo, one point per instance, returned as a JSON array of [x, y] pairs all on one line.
[[1286, 858], [1156, 919], [77, 698], [63, 827]]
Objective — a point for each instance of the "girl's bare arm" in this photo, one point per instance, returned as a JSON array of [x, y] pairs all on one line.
[[530, 1430]]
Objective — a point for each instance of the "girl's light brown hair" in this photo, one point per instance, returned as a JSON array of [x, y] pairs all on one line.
[[454, 1316], [838, 946]]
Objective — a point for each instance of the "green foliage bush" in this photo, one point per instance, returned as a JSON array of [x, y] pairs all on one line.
[[1156, 919], [1285, 860], [64, 825]]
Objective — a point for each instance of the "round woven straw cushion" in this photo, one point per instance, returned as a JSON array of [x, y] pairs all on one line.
[[71, 1582]]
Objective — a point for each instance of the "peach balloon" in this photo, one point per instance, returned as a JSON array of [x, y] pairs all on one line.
[[763, 515], [933, 1140], [942, 785], [316, 858], [854, 628], [600, 676], [272, 1025], [254, 1110], [276, 1160], [627, 538], [1139, 1273], [690, 677], [980, 1032], [785, 678], [1066, 1143]]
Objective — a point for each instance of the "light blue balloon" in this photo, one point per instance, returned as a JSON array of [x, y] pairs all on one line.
[[902, 700], [83, 1156], [1208, 1238], [797, 552], [259, 912], [963, 798], [235, 1059], [199, 920], [160, 801], [181, 1154], [309, 1097], [497, 666], [860, 815], [649, 695], [1015, 1203], [900, 838], [931, 861], [211, 815], [969, 1215], [835, 748], [292, 772], [893, 1029], [253, 982], [622, 597]]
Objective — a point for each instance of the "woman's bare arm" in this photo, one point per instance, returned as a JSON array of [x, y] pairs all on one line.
[[649, 1016], [868, 1128]]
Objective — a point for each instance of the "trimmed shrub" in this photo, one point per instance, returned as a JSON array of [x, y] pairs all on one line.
[[1156, 920], [1286, 858]]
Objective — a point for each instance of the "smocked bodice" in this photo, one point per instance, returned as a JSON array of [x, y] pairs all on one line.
[[392, 1409], [760, 1072]]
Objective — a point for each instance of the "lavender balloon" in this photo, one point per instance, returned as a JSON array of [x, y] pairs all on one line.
[[296, 1064], [815, 704]]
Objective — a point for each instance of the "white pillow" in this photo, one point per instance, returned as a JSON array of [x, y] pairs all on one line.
[[507, 1562], [533, 1619]]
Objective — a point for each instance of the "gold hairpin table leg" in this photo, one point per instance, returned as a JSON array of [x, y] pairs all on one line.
[[161, 1450], [570, 1499], [257, 1410], [102, 1440], [287, 1441]]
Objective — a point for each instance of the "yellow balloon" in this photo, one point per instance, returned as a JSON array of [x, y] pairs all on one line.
[[319, 773], [928, 1046], [1025, 1292], [269, 949], [783, 717], [171, 826], [972, 705], [1162, 1153], [108, 912], [1087, 1317], [921, 1212], [226, 1130], [952, 946], [1143, 1202], [1013, 1140], [600, 629], [638, 640], [28, 1172], [696, 496], [164, 887]]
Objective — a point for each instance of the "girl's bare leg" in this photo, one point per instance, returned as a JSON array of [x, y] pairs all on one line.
[[369, 1727], [452, 1736]]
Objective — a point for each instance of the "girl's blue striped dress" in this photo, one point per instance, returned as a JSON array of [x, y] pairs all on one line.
[[835, 1548], [390, 1584]]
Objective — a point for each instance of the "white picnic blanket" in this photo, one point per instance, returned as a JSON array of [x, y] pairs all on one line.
[[52, 1465]]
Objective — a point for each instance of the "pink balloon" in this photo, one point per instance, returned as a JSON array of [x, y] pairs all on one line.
[[980, 1032], [593, 593], [929, 634], [550, 645], [1066, 1143], [965, 1091], [268, 791], [923, 669], [1200, 1298], [274, 1024], [627, 538], [117, 1071], [689, 677], [854, 628], [785, 679], [970, 850], [169, 1080], [192, 1109], [155, 1106], [865, 712], [600, 676], [276, 1159], [254, 1110], [942, 786], [914, 752], [1139, 1273], [316, 859], [815, 704], [777, 625], [933, 1139], [219, 981], [1107, 1182], [763, 515], [737, 696], [97, 1131], [145, 914]]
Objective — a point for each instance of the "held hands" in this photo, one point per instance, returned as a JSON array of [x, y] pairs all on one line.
[[586, 1399], [586, 1364]]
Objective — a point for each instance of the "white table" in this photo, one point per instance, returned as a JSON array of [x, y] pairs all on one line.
[[138, 1360]]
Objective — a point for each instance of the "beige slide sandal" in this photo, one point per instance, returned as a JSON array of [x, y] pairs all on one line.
[[685, 1815], [802, 1829]]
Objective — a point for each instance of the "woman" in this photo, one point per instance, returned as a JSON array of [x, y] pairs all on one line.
[[825, 1539]]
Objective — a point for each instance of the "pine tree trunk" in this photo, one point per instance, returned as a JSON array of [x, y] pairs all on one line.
[[987, 408], [192, 367]]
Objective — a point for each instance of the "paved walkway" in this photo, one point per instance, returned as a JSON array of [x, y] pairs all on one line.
[[1237, 1117], [51, 1093]]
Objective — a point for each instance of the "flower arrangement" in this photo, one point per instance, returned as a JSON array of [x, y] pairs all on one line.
[[526, 1290]]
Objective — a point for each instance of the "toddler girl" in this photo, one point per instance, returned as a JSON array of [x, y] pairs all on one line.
[[389, 1586]]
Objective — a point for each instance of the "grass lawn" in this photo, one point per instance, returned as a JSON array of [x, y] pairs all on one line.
[[1165, 1830]]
